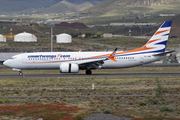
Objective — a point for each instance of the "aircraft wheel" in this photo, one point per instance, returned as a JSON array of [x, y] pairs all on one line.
[[88, 72], [20, 73]]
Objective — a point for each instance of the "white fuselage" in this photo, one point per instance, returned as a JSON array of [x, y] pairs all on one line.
[[52, 60]]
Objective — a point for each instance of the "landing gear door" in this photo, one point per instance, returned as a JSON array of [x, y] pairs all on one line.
[[24, 58]]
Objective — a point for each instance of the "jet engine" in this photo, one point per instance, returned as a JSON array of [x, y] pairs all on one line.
[[69, 68]]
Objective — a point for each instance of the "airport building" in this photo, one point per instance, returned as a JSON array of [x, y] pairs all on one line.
[[63, 38], [25, 37], [2, 38], [133, 24]]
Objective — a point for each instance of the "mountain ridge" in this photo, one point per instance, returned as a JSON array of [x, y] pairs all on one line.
[[65, 6], [10, 6], [124, 7]]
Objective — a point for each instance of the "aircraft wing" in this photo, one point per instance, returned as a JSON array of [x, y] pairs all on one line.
[[95, 63], [92, 64], [164, 53]]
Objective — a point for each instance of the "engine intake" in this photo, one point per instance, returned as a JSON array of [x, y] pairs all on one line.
[[69, 68]]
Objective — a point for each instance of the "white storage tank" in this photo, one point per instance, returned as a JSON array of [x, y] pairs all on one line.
[[63, 38], [2, 38], [25, 37]]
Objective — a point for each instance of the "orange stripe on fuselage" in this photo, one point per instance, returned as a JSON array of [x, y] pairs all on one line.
[[112, 58], [135, 50]]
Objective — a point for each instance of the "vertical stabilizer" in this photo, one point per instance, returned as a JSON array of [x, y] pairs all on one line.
[[159, 40]]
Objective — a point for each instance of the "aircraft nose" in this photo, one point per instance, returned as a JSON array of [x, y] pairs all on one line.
[[6, 63]]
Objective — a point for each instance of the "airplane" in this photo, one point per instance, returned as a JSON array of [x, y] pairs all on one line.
[[72, 62]]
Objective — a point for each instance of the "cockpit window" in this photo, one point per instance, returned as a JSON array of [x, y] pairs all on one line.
[[13, 58]]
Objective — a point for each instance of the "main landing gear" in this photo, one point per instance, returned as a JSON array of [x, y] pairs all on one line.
[[20, 73], [88, 72]]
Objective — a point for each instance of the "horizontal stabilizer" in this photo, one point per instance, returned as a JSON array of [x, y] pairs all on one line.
[[164, 53]]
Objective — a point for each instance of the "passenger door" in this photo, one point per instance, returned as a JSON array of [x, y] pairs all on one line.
[[141, 59], [24, 58]]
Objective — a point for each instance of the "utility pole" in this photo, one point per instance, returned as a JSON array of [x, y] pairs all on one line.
[[130, 31], [11, 30], [51, 38]]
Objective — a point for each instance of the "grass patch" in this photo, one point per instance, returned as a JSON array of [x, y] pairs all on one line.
[[4, 100], [153, 101], [8, 113], [107, 111], [168, 108], [142, 103]]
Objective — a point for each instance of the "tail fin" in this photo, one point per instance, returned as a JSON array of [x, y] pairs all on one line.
[[159, 40], [157, 43]]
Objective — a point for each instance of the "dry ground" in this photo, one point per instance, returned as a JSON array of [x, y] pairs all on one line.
[[122, 96]]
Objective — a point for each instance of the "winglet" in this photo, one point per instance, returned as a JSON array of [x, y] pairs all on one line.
[[112, 55]]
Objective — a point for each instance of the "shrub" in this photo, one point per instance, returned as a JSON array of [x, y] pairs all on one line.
[[99, 34], [166, 108], [4, 100], [16, 92], [159, 90], [103, 108], [153, 101], [38, 100], [107, 111], [117, 104], [115, 101], [80, 116], [142, 103]]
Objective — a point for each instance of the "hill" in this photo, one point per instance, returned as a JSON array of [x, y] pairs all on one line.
[[124, 7], [84, 6], [8, 6], [18, 5], [62, 6], [15, 6], [65, 6]]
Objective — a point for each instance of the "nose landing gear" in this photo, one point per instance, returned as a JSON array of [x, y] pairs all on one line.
[[20, 73], [19, 70]]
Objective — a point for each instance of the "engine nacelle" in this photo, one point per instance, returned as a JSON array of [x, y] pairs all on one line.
[[69, 68]]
